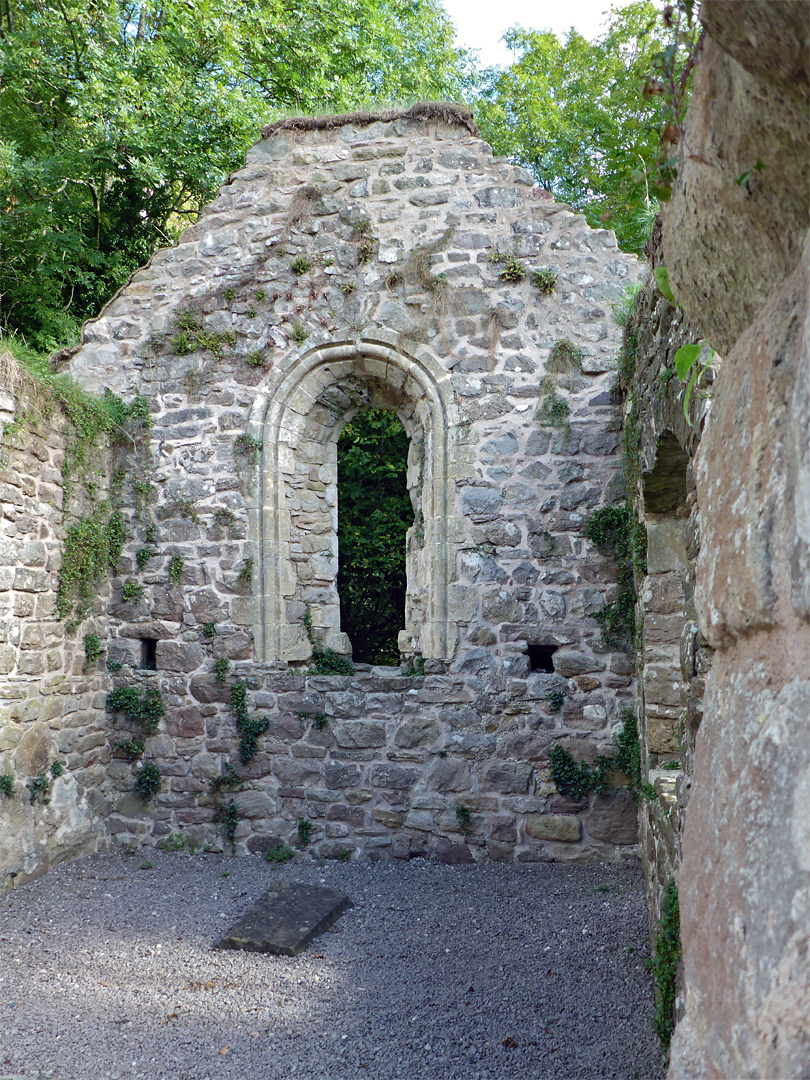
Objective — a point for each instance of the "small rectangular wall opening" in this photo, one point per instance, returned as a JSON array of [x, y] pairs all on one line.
[[540, 657], [148, 654]]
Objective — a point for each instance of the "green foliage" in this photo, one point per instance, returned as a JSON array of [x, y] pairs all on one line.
[[7, 785], [463, 816], [222, 666], [92, 649], [131, 747], [564, 357], [689, 365], [245, 443], [57, 769], [177, 842], [299, 333], [305, 828], [227, 815], [279, 854], [142, 557], [228, 293], [513, 270], [624, 307], [416, 667], [319, 721], [347, 287], [185, 508], [374, 517], [573, 113], [555, 700], [301, 265], [228, 778], [664, 963], [39, 789], [92, 547], [245, 575], [142, 707], [224, 517], [176, 564], [545, 281], [553, 410], [254, 360], [149, 782], [249, 728], [661, 275], [133, 590], [577, 779], [616, 533], [209, 630]]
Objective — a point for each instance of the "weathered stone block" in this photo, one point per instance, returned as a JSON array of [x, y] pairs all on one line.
[[558, 827], [178, 656], [359, 734]]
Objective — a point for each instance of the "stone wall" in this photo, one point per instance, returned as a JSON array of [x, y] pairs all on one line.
[[388, 263], [51, 708], [737, 252]]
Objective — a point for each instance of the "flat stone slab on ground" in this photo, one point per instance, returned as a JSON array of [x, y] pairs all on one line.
[[286, 919]]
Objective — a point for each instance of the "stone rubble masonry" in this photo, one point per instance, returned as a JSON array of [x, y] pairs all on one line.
[[50, 708], [347, 268], [738, 257]]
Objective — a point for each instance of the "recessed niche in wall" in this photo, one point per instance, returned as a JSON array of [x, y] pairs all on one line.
[[540, 657], [665, 485], [148, 654]]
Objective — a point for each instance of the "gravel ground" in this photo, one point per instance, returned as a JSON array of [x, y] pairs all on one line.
[[490, 972]]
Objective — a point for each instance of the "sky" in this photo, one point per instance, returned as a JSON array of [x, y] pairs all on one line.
[[481, 23]]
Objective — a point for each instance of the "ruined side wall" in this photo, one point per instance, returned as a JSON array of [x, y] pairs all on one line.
[[51, 709], [342, 267], [738, 257]]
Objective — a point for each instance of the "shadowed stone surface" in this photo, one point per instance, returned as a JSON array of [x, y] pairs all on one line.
[[286, 919]]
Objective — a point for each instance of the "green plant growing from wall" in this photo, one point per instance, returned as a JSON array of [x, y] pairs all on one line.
[[564, 357], [57, 769], [299, 333], [223, 517], [92, 650], [545, 281], [279, 854], [616, 533], [209, 630], [513, 270], [133, 590], [142, 557], [664, 963], [325, 661], [7, 785], [301, 265], [689, 366], [463, 817], [131, 747], [576, 779], [305, 828], [245, 575], [39, 789], [245, 443], [254, 360], [144, 708], [91, 549], [228, 778], [347, 287], [149, 782], [177, 842], [552, 409], [222, 666], [226, 814], [176, 564], [249, 728], [555, 700]]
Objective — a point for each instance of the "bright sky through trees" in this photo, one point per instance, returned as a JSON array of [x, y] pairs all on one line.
[[481, 24]]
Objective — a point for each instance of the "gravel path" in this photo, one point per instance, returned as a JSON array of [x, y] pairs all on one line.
[[489, 972]]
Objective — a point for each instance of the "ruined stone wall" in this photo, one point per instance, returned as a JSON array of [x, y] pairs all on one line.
[[51, 708], [386, 263], [737, 253]]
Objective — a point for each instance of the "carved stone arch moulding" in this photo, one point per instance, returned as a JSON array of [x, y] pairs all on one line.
[[298, 416]]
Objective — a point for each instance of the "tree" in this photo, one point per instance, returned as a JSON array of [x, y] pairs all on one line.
[[576, 115], [374, 515], [118, 121]]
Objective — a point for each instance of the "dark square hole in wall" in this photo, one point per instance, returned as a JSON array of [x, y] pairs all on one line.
[[540, 657], [148, 654]]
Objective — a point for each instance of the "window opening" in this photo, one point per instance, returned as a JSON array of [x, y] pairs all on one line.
[[540, 657], [148, 654], [374, 515]]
